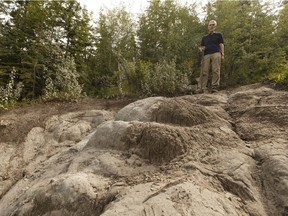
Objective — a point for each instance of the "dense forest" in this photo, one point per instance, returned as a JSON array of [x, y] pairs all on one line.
[[54, 49]]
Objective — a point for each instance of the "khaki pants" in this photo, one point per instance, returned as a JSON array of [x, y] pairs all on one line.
[[208, 61]]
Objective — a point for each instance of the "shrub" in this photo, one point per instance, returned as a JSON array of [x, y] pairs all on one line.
[[11, 93], [61, 78], [165, 79], [279, 75]]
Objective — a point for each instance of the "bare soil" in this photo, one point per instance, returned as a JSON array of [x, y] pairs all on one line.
[[23, 119], [206, 154]]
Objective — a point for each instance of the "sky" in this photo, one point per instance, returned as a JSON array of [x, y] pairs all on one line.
[[133, 6], [137, 6]]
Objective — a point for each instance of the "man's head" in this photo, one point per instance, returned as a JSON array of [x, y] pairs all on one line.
[[212, 26]]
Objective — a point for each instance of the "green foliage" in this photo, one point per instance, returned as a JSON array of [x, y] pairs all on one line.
[[279, 75], [282, 30], [109, 92], [165, 79], [57, 52], [171, 32], [127, 78], [10, 94], [61, 78], [168, 31], [33, 30], [115, 47], [145, 70], [279, 71], [249, 40]]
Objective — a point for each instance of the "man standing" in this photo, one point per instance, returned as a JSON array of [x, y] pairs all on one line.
[[212, 48]]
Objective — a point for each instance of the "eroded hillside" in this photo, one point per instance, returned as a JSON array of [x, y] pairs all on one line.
[[209, 154]]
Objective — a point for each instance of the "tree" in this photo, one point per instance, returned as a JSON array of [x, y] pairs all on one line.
[[19, 36], [115, 46], [61, 77], [170, 32], [35, 25], [279, 73], [248, 29], [71, 27], [282, 31], [157, 30]]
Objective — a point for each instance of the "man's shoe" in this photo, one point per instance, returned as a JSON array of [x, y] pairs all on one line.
[[201, 91], [214, 89]]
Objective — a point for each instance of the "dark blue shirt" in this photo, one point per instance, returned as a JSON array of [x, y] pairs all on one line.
[[211, 43]]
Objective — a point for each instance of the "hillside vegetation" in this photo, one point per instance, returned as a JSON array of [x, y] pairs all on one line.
[[54, 49]]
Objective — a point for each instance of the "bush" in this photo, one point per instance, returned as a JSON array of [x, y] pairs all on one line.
[[279, 75], [11, 93], [61, 78], [148, 79], [165, 79]]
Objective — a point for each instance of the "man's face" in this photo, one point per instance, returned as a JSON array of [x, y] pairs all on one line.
[[211, 26]]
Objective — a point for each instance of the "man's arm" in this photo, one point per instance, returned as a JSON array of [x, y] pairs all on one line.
[[222, 49], [202, 46]]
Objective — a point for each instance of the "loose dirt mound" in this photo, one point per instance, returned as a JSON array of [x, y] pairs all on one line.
[[183, 113], [209, 154]]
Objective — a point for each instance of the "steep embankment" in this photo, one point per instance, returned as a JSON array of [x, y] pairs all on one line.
[[208, 154]]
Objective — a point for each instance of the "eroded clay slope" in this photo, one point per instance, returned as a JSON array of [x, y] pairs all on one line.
[[195, 155]]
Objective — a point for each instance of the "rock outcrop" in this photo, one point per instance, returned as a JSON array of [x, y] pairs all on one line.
[[208, 154]]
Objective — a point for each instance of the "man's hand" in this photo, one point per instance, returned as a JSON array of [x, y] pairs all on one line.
[[201, 48]]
